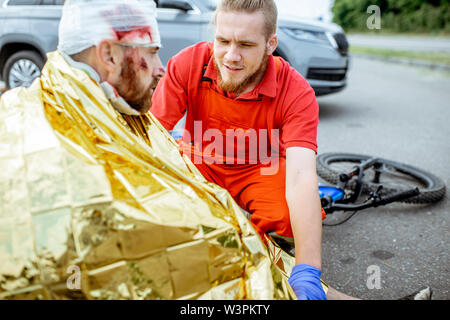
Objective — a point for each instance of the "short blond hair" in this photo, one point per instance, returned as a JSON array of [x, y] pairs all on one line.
[[267, 7]]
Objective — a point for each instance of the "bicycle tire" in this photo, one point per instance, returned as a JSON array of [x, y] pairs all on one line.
[[432, 189]]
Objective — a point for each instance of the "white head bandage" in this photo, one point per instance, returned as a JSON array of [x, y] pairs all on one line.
[[85, 23]]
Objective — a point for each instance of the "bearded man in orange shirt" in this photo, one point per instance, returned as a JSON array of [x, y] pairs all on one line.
[[250, 127]]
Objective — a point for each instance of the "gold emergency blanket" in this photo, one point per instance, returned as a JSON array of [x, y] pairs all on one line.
[[97, 205]]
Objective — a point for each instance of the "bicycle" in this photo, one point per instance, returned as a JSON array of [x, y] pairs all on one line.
[[382, 181]]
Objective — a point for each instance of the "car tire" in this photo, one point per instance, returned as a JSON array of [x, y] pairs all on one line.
[[31, 67]]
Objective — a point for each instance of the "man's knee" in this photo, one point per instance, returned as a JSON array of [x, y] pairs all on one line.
[[276, 220]]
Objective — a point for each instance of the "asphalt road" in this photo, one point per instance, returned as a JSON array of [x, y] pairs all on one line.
[[398, 42], [399, 113]]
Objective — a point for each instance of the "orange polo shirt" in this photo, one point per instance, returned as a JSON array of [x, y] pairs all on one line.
[[283, 101]]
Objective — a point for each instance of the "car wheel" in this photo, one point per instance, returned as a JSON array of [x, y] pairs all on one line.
[[22, 68]]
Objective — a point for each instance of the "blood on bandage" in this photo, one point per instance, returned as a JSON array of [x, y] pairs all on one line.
[[128, 24]]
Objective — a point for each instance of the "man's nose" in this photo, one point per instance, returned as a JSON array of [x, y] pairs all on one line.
[[232, 54], [158, 70]]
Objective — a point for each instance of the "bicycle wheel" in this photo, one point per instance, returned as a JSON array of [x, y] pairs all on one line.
[[394, 177]]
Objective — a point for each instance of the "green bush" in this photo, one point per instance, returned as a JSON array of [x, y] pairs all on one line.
[[396, 15]]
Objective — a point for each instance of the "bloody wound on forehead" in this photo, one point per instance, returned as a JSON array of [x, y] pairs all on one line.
[[127, 24], [133, 35]]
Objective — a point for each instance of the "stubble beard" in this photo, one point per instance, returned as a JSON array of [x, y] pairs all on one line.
[[239, 87], [130, 90]]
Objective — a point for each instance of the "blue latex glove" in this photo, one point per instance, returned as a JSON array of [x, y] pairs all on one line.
[[305, 281]]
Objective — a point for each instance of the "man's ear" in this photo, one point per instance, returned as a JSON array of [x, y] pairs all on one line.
[[108, 55], [272, 44]]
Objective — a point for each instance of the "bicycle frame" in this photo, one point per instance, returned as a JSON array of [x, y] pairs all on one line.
[[333, 198]]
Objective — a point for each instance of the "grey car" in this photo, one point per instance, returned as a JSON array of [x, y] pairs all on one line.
[[29, 29]]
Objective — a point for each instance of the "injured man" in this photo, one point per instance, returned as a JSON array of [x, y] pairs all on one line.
[[96, 201]]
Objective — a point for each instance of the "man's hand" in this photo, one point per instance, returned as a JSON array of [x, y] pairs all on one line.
[[305, 281]]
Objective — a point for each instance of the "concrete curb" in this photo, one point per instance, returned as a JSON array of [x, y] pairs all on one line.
[[411, 62]]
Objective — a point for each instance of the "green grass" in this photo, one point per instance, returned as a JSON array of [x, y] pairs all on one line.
[[392, 33], [435, 57]]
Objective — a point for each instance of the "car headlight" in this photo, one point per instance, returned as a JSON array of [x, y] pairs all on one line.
[[309, 35]]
